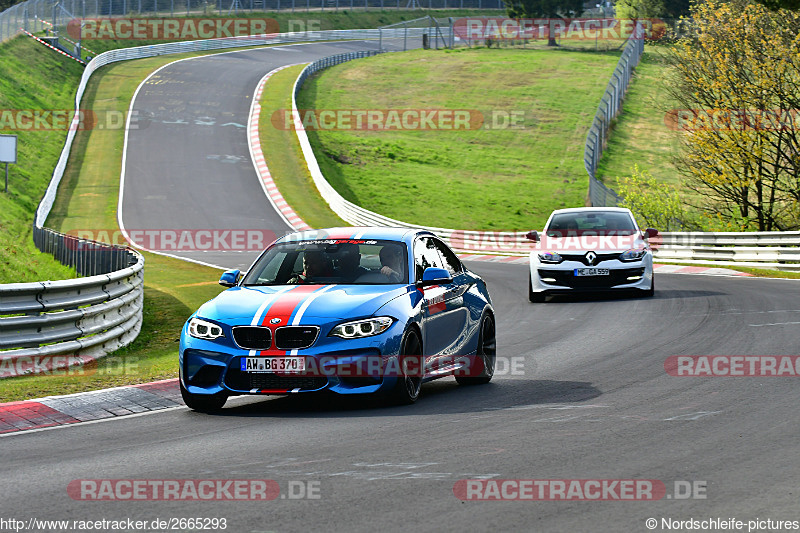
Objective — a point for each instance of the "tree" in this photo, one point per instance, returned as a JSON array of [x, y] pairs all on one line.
[[775, 5], [639, 9], [737, 79], [657, 204], [676, 9], [518, 9]]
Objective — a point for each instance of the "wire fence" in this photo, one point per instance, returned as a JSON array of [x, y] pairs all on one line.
[[610, 105], [46, 15], [88, 258]]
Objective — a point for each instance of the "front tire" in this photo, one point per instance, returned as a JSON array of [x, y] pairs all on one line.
[[487, 352], [201, 402], [406, 391]]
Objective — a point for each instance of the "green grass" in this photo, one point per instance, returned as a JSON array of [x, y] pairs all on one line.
[[87, 200], [34, 78], [489, 178], [640, 135], [287, 165]]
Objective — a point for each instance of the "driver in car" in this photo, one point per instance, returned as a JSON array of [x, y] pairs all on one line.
[[316, 264]]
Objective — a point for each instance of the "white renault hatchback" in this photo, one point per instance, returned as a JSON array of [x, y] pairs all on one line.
[[590, 249]]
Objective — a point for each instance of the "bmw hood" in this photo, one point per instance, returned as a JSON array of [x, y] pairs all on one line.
[[246, 305]]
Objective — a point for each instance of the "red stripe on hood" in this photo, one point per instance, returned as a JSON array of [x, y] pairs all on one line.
[[283, 308]]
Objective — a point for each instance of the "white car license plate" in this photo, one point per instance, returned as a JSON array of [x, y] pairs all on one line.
[[273, 364], [592, 272]]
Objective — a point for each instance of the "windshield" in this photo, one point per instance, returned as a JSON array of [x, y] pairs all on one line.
[[324, 262], [590, 223]]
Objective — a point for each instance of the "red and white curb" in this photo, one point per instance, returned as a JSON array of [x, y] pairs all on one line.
[[260, 164], [88, 406], [48, 45]]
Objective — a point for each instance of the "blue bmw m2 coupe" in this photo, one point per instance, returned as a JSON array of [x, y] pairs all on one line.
[[345, 310]]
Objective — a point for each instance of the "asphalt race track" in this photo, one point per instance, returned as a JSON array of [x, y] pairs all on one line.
[[590, 400], [187, 163], [581, 391]]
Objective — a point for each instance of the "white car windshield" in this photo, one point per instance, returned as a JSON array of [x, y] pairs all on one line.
[[590, 223]]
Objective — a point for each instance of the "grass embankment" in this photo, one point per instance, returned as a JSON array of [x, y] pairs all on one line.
[[87, 200], [31, 77], [487, 178], [640, 134]]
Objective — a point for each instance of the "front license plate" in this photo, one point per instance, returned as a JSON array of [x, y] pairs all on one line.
[[592, 272], [273, 364]]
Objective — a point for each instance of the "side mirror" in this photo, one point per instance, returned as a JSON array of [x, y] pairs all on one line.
[[532, 235], [435, 276], [650, 233], [229, 278]]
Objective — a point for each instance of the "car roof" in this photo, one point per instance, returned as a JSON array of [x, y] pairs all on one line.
[[592, 209], [354, 232]]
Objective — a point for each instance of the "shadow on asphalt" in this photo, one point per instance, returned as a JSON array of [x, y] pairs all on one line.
[[661, 294], [439, 397]]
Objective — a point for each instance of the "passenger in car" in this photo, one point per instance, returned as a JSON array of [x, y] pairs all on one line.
[[392, 263]]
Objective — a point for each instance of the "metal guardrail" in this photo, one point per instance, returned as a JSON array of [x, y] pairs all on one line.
[[773, 249], [610, 104], [79, 318]]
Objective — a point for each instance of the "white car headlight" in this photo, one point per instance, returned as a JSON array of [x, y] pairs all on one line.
[[362, 328], [550, 257], [202, 329], [634, 254]]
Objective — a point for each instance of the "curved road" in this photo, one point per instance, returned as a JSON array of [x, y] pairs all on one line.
[[588, 398], [188, 166]]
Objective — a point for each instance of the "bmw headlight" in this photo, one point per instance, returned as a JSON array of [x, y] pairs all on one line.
[[362, 328], [550, 257], [202, 329], [634, 254]]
